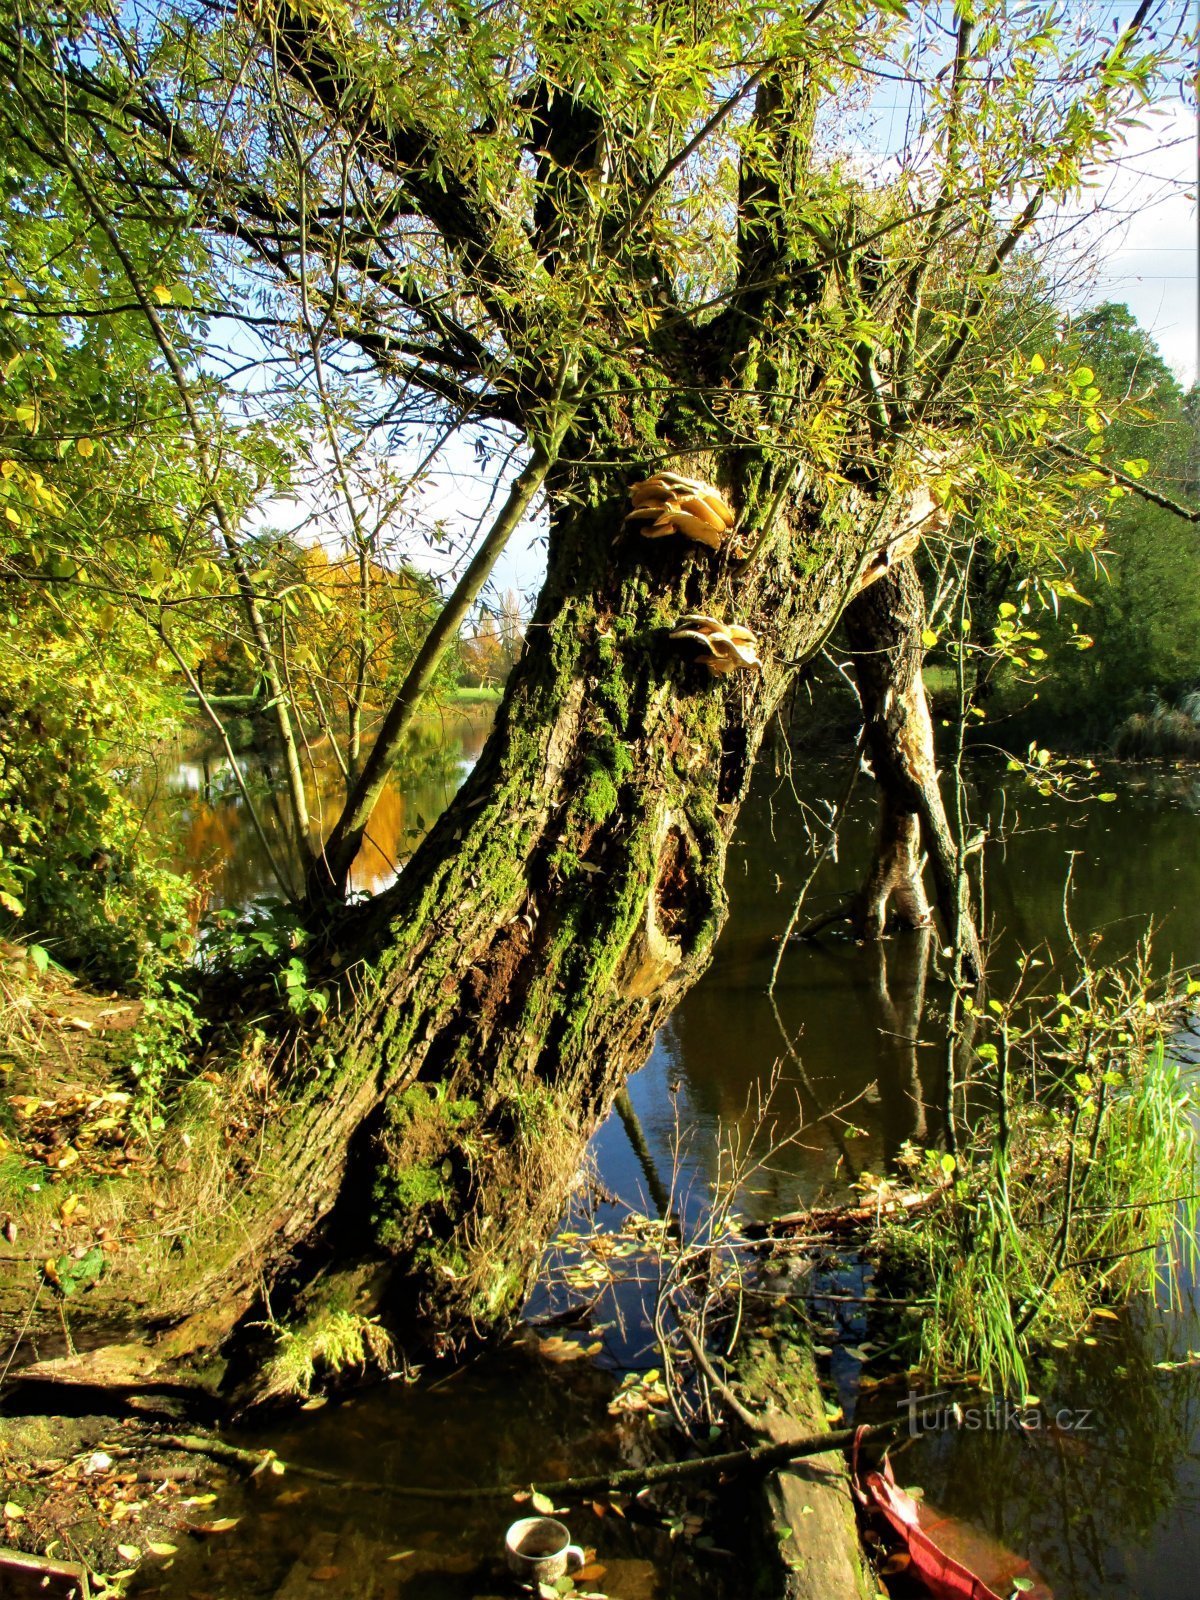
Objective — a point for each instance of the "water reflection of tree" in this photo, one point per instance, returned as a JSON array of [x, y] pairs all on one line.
[[204, 823], [853, 1014], [1076, 1499]]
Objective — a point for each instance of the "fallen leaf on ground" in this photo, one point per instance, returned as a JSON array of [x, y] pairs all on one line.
[[219, 1525]]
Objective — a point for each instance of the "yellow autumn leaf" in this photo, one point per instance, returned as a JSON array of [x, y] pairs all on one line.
[[85, 447], [162, 294]]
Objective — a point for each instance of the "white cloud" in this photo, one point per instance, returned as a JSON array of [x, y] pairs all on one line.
[[1133, 236]]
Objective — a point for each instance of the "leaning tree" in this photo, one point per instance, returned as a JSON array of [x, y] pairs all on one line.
[[733, 280]]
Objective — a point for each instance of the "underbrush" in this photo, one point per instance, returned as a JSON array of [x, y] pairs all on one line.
[[1164, 733], [1073, 1179], [79, 873]]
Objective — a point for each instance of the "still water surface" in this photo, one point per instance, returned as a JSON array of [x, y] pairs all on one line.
[[1110, 1509]]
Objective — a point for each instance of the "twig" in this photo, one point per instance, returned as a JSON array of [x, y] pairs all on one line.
[[700, 1356], [759, 1457], [834, 824]]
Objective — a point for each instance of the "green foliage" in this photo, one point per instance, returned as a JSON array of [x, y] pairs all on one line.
[[76, 869], [1119, 629], [267, 942], [161, 1053], [332, 1339], [1066, 1195]]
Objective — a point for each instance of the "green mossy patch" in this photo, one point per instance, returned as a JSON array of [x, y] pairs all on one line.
[[332, 1338], [422, 1128]]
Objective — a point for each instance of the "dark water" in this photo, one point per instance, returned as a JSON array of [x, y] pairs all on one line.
[[1103, 1510]]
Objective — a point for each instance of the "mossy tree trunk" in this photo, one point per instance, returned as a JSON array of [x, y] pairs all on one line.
[[486, 1009], [483, 1012]]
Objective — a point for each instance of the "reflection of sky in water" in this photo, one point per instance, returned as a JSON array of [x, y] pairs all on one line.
[[847, 1008], [1110, 1514]]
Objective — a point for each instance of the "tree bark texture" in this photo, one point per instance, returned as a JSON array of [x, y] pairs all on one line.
[[885, 624], [484, 1011]]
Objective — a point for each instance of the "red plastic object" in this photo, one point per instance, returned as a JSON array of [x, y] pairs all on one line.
[[946, 1577]]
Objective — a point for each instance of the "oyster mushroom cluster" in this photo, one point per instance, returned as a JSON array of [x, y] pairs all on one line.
[[724, 646], [668, 503]]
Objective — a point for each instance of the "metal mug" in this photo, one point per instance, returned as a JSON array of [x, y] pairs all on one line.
[[539, 1550]]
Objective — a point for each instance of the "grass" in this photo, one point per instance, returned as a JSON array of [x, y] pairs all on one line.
[[1063, 1198], [239, 704], [472, 695], [1167, 733]]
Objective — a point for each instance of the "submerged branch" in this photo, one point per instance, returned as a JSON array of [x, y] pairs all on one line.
[[759, 1457]]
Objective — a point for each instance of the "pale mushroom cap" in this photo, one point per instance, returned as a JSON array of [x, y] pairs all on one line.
[[698, 510], [726, 645]]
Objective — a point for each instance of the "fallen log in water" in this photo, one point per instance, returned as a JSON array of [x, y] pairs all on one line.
[[28, 1575], [832, 1222], [808, 1534]]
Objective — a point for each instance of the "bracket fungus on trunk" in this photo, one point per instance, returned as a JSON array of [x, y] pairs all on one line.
[[724, 646], [668, 503]]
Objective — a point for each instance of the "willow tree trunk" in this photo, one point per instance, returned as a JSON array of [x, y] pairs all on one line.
[[488, 1007], [885, 625]]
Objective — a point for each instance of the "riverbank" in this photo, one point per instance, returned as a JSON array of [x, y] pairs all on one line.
[[861, 1094]]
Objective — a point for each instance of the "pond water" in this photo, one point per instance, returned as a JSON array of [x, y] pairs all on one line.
[[1103, 1509]]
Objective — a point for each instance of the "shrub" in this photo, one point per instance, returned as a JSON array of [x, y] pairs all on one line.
[[1166, 733]]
